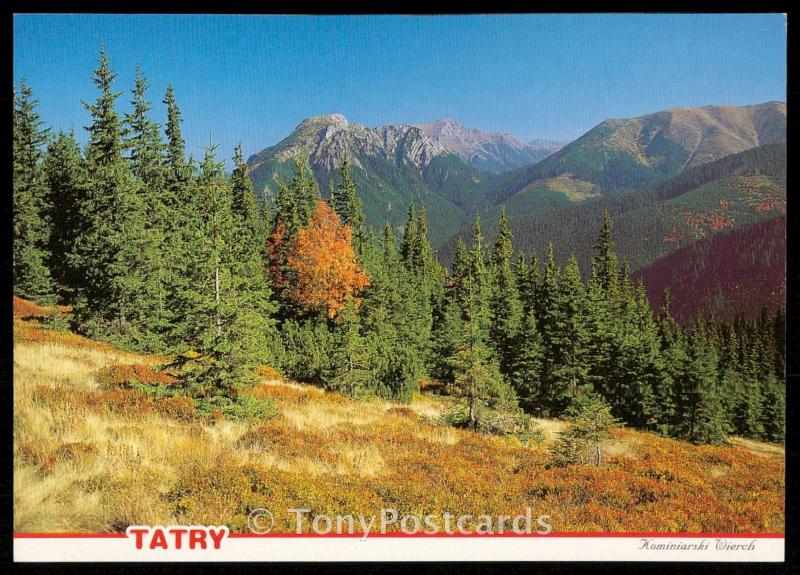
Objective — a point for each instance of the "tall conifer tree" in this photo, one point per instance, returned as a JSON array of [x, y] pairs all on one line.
[[505, 306], [112, 223], [347, 205], [32, 277], [66, 181], [150, 181], [226, 301]]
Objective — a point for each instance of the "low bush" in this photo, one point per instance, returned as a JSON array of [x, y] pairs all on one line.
[[219, 493], [133, 376], [239, 409], [508, 421], [178, 407], [402, 411], [286, 442], [27, 310], [280, 392]]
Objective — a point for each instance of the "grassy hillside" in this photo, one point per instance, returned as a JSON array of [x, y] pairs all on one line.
[[88, 457], [635, 153]]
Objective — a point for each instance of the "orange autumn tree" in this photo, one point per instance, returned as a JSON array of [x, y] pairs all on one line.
[[326, 274]]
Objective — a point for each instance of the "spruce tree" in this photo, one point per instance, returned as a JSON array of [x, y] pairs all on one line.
[[477, 288], [250, 282], [226, 301], [645, 379], [505, 306], [779, 342], [477, 382], [747, 412], [603, 324], [675, 351], [180, 195], [176, 146], [286, 212], [581, 444], [150, 181], [108, 247], [352, 368], [549, 314], [409, 238], [304, 189], [526, 365], [294, 206], [66, 181], [423, 258], [773, 411], [570, 342], [345, 202], [524, 281], [605, 260], [31, 253], [245, 205], [699, 411]]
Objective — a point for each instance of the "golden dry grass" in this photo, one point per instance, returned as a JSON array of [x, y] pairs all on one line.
[[80, 465], [759, 447]]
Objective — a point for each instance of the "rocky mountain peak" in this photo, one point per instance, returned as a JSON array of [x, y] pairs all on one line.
[[336, 119], [495, 151], [326, 139]]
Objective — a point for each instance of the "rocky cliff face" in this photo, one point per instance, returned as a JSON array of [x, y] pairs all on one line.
[[327, 139]]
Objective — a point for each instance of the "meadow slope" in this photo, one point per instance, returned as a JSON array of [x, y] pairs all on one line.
[[90, 459]]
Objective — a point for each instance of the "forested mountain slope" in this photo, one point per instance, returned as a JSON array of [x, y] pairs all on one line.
[[723, 274], [732, 192]]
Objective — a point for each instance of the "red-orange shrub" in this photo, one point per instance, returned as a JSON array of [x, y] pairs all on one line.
[[402, 412], [25, 309], [177, 407], [127, 402], [125, 375]]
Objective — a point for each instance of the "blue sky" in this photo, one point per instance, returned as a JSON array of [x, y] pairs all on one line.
[[254, 78]]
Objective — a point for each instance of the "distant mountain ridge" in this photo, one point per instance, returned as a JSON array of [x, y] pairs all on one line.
[[444, 166], [327, 139], [635, 153], [547, 145], [495, 152]]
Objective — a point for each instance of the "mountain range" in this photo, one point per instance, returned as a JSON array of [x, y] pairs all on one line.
[[669, 179], [492, 152], [635, 153], [393, 166], [683, 233]]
